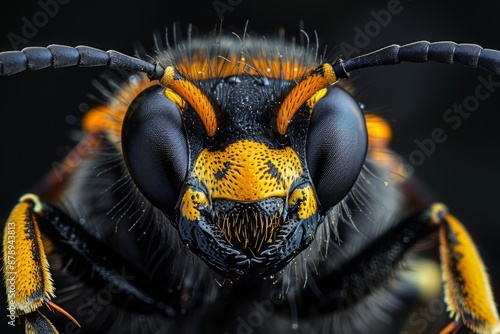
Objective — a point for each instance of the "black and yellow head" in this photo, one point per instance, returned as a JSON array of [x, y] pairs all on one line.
[[245, 149]]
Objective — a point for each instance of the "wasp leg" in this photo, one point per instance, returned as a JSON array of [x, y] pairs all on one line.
[[466, 285], [452, 328], [37, 323], [26, 269]]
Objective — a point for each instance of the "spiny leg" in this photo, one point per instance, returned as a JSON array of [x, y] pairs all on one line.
[[26, 269], [467, 288]]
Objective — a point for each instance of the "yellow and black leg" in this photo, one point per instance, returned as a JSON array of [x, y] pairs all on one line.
[[467, 289], [26, 270]]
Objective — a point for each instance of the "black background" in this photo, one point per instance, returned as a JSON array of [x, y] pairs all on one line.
[[463, 171]]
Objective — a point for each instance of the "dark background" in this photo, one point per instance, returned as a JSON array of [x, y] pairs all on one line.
[[463, 172]]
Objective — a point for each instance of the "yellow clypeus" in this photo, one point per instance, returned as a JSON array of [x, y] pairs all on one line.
[[248, 171]]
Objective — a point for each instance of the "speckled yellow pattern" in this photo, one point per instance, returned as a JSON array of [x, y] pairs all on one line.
[[26, 269], [191, 200], [248, 171], [306, 200]]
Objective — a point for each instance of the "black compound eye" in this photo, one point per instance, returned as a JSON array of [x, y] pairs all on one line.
[[155, 147], [337, 142]]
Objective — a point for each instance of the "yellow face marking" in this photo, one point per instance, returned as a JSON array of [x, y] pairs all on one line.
[[191, 200], [172, 96], [467, 288], [316, 97], [194, 97], [248, 171], [307, 201], [301, 93], [26, 269]]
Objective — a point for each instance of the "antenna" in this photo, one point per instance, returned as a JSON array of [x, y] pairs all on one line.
[[55, 56], [470, 55]]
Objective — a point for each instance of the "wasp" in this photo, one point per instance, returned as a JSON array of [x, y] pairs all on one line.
[[234, 185]]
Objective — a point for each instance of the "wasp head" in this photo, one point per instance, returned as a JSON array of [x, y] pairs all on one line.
[[246, 165]]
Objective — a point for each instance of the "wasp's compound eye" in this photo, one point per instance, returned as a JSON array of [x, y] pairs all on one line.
[[336, 145], [155, 147]]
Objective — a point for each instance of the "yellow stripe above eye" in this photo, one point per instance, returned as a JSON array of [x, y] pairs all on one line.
[[193, 96], [305, 89], [174, 97]]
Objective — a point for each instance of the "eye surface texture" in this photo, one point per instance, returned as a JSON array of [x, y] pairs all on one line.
[[336, 145], [155, 147]]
